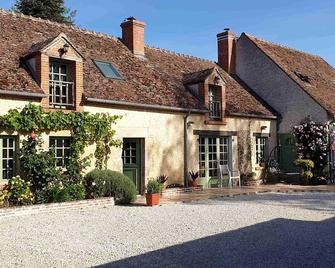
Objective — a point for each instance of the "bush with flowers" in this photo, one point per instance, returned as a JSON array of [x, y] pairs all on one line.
[[312, 143], [18, 192]]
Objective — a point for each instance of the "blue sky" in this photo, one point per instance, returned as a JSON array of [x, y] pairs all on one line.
[[190, 26]]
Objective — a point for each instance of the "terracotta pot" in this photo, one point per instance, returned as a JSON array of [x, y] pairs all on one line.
[[194, 183], [152, 199]]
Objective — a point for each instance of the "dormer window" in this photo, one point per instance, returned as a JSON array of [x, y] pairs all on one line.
[[61, 88], [215, 102]]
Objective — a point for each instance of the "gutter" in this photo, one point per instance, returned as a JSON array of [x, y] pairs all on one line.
[[22, 94], [253, 115], [148, 106]]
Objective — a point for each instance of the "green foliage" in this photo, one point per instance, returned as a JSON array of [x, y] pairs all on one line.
[[312, 143], [19, 191], [100, 183], [86, 129], [58, 192], [306, 164], [4, 196], [54, 10], [153, 186], [38, 166], [306, 168]]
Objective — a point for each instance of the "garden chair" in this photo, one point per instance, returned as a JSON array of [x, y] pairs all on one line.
[[232, 175]]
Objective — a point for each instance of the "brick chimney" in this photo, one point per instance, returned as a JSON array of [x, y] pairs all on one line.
[[227, 50], [133, 36]]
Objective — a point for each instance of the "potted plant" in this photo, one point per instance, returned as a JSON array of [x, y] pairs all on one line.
[[194, 177], [250, 179], [153, 192], [162, 179]]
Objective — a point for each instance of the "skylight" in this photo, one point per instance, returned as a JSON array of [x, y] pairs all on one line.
[[107, 69]]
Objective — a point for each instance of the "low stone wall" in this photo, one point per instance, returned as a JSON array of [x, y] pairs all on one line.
[[43, 208]]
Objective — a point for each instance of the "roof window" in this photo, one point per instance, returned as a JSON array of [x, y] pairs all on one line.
[[108, 70]]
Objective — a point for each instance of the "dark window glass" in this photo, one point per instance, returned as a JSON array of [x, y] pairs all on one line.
[[108, 70], [62, 150]]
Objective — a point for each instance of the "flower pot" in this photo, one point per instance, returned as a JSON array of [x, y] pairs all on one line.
[[152, 199], [194, 183]]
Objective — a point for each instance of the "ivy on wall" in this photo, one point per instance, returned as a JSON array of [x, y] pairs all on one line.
[[85, 128]]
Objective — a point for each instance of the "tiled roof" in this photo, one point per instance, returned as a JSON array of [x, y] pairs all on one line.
[[312, 73], [155, 81]]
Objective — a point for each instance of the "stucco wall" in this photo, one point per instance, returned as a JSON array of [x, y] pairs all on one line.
[[275, 87], [163, 134]]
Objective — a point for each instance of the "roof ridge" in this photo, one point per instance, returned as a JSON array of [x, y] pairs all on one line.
[[281, 45], [87, 31], [178, 53]]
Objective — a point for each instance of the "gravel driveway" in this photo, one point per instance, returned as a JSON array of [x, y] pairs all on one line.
[[267, 230]]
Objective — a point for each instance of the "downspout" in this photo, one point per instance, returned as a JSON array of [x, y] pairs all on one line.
[[186, 156]]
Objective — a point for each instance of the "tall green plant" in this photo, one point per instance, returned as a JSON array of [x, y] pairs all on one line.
[[86, 129], [54, 10]]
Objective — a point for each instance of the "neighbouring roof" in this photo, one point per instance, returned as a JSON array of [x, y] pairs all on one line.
[[312, 73], [158, 80]]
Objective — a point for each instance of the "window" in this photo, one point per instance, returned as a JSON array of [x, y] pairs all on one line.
[[7, 157], [62, 148], [215, 107], [129, 153], [261, 149], [60, 87], [107, 69], [211, 151]]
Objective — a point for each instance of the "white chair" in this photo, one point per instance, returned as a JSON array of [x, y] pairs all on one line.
[[232, 175]]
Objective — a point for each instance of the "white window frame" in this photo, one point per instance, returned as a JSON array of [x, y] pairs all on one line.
[[222, 153], [261, 148], [8, 158]]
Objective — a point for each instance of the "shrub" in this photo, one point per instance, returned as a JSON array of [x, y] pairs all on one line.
[[4, 196], [18, 191], [103, 183], [38, 166], [153, 187], [312, 143], [57, 192], [306, 168]]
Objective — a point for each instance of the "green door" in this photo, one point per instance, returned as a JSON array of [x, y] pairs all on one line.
[[288, 153], [131, 157]]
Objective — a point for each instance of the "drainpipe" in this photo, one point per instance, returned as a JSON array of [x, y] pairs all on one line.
[[186, 156]]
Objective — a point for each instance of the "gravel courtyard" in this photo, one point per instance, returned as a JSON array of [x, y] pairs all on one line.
[[266, 230]]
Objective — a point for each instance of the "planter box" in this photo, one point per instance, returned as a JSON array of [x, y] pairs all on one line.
[[50, 207], [152, 199]]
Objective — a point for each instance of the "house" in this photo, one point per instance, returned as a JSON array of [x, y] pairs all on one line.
[[295, 84], [180, 112]]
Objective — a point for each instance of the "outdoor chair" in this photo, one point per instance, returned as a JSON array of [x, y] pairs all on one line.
[[232, 175]]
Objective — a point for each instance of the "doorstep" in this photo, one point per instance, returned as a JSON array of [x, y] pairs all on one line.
[[50, 207]]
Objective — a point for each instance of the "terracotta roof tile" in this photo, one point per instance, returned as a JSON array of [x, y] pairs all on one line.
[[157, 80], [310, 72]]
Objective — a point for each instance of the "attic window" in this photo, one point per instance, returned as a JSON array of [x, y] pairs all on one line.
[[304, 78], [108, 70]]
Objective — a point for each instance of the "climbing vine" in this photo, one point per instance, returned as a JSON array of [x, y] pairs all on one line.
[[85, 128]]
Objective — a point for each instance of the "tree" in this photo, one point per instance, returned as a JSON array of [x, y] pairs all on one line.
[[53, 10], [312, 142]]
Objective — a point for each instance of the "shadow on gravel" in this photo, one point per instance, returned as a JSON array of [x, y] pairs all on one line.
[[310, 201], [276, 243]]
